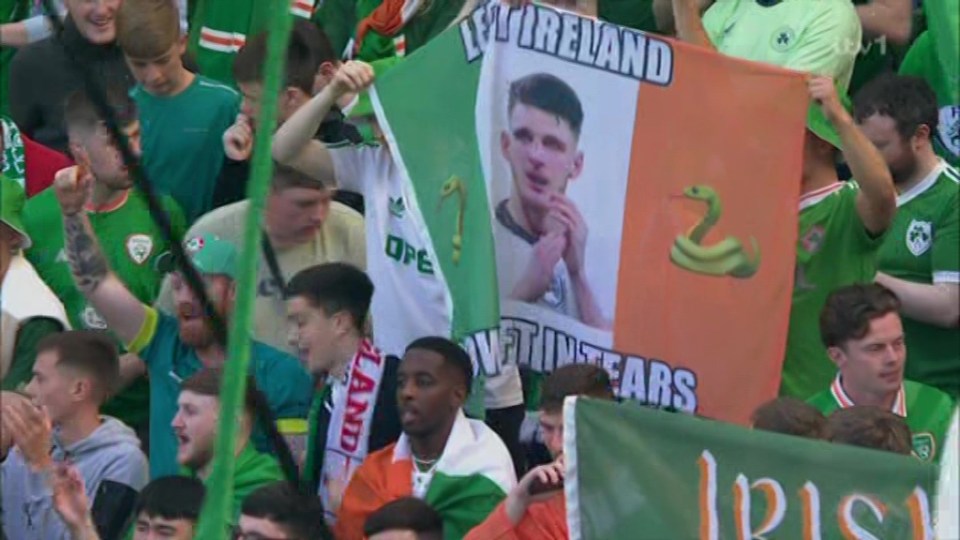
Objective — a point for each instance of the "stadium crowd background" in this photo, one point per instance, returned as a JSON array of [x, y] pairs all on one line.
[[111, 375]]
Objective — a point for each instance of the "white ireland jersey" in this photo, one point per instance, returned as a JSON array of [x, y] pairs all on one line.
[[409, 299]]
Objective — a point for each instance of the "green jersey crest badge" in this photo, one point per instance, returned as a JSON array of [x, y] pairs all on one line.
[[949, 128], [919, 237], [782, 39], [139, 247], [92, 319], [924, 446]]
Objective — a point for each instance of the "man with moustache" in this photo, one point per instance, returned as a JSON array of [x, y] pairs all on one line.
[[920, 257], [542, 236], [173, 348], [119, 217]]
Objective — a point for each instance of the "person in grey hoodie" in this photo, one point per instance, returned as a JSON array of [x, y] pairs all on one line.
[[74, 373]]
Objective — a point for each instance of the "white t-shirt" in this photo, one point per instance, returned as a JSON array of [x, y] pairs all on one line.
[[409, 301], [23, 296], [514, 251]]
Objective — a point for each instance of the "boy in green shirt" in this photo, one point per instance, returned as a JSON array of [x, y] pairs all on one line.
[[183, 115], [861, 329], [920, 258], [119, 216]]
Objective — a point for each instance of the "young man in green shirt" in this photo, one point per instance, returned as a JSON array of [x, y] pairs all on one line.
[[172, 348], [183, 115], [922, 61], [198, 414], [861, 329], [119, 216], [920, 258]]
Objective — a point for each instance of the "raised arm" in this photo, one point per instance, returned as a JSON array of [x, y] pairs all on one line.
[[293, 143], [687, 20], [121, 310], [877, 199], [891, 19], [937, 303]]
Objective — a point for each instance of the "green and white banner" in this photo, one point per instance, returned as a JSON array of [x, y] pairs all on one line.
[[639, 473]]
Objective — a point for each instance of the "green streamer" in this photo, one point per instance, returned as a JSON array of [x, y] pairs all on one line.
[[217, 509]]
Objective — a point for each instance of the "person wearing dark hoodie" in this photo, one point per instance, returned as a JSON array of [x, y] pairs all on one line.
[[42, 74], [195, 425], [73, 375]]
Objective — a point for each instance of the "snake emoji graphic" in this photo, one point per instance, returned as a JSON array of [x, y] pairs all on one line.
[[725, 258], [455, 187]]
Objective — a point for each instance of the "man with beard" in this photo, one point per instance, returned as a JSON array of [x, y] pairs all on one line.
[[172, 348], [119, 218], [356, 411], [920, 258]]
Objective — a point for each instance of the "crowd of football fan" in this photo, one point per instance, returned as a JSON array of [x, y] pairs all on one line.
[[111, 372]]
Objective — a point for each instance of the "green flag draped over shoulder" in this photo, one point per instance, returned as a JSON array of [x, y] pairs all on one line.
[[217, 509], [429, 105], [639, 473]]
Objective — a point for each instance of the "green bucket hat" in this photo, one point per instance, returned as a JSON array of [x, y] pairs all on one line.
[[820, 126], [209, 254], [364, 105], [12, 199]]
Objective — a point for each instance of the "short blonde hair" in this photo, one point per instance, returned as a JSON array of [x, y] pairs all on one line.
[[147, 29]]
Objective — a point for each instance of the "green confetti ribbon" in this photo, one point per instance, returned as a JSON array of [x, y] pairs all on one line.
[[217, 511]]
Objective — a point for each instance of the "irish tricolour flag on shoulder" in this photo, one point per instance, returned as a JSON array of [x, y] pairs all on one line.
[[469, 479], [600, 195]]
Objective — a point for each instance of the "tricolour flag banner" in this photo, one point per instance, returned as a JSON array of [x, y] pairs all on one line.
[[639, 473], [611, 197]]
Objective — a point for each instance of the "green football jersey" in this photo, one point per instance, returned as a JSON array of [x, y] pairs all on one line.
[[182, 138], [922, 61], [834, 249], [923, 246], [926, 410], [818, 36], [131, 241]]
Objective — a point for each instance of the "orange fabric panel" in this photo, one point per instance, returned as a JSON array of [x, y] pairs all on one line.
[[693, 132]]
